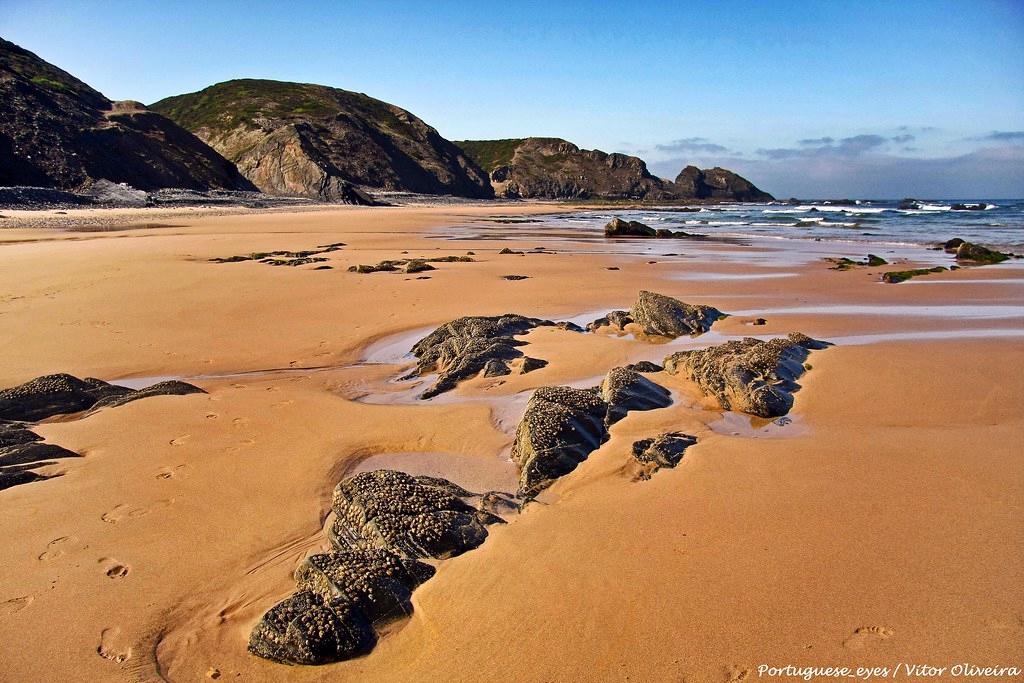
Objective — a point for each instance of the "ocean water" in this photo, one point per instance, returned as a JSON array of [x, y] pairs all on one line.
[[1000, 224]]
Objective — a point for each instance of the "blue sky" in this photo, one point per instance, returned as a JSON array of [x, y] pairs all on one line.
[[805, 98]]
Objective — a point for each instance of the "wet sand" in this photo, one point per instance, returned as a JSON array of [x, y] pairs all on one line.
[[881, 525]]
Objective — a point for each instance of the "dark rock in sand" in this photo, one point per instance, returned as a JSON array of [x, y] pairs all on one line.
[[952, 245], [625, 390], [418, 266], [462, 348], [11, 477], [560, 428], [749, 375], [644, 366], [660, 315], [759, 321], [32, 453], [61, 394], [531, 364], [665, 450], [303, 629], [617, 227], [897, 276], [168, 388], [515, 277], [506, 250], [377, 583], [410, 516], [978, 254], [15, 434], [616, 319]]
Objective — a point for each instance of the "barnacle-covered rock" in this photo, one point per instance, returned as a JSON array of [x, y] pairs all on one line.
[[410, 516], [560, 428], [462, 348], [303, 629], [749, 375], [660, 315], [625, 390]]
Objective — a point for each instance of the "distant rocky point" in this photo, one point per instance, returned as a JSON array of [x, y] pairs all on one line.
[[554, 168]]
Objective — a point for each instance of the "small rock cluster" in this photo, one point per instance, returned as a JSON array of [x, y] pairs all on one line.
[[385, 521], [413, 265], [51, 395], [664, 450], [617, 227], [284, 258]]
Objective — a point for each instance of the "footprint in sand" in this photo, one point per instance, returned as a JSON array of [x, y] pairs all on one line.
[[179, 440], [55, 548], [212, 416], [15, 605], [282, 404], [118, 571], [240, 422], [111, 646], [123, 511], [866, 635], [734, 674], [168, 472]]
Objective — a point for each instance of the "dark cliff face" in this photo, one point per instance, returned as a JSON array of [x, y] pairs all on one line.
[[56, 131], [308, 140], [556, 169]]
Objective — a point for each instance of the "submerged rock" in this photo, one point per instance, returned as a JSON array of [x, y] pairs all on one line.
[[625, 390], [464, 347], [897, 276], [407, 515], [560, 428], [749, 375]]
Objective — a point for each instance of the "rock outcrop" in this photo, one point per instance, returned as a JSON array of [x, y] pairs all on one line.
[[411, 516], [62, 394], [717, 183], [560, 428], [307, 140], [618, 227], [661, 316], [464, 347], [563, 425], [974, 253], [625, 390], [554, 168], [44, 397], [384, 521], [57, 132], [749, 375]]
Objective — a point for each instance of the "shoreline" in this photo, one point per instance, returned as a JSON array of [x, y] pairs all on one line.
[[756, 548]]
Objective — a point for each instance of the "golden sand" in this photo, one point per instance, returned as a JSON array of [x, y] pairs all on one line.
[[882, 526]]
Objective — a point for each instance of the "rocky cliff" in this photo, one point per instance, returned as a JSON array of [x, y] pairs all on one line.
[[313, 141], [56, 131], [557, 169], [718, 183]]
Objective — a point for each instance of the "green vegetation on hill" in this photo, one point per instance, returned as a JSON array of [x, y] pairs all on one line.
[[490, 154], [225, 106]]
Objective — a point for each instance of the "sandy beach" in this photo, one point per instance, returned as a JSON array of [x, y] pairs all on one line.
[[881, 525]]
